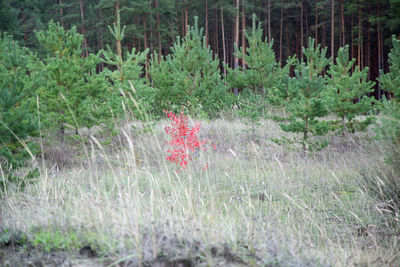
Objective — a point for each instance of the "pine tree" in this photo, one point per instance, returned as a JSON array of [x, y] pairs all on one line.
[[19, 80], [189, 77], [260, 73], [261, 80], [345, 87], [127, 76], [74, 93], [391, 83], [305, 91]]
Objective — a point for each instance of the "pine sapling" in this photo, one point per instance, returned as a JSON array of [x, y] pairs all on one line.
[[347, 92]]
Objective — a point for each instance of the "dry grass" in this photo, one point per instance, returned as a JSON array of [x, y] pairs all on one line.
[[256, 204]]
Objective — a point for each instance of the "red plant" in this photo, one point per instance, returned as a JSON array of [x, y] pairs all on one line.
[[184, 139]]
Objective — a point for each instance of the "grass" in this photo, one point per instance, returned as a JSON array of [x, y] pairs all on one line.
[[249, 202]]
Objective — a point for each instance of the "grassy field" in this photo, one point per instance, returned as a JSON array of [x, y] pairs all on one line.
[[249, 202]]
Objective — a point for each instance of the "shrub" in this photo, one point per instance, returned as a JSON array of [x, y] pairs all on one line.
[[184, 139]]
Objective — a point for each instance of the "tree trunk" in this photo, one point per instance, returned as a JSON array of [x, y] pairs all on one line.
[[281, 35], [186, 17], [342, 23], [60, 3], [116, 8], [359, 36], [216, 31], [118, 42], [100, 37], [352, 40], [183, 22], [151, 32], [230, 39], [369, 51], [236, 41], [298, 49], [83, 30], [378, 14], [135, 39], [323, 41], [323, 35], [269, 21], [243, 35], [158, 30], [307, 26], [287, 38], [146, 45], [236, 34], [223, 38], [206, 30], [316, 22], [333, 31], [301, 31]]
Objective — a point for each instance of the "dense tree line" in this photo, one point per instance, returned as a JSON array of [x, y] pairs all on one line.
[[365, 25]]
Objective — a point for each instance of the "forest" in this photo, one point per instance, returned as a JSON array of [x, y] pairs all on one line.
[[365, 25], [200, 133]]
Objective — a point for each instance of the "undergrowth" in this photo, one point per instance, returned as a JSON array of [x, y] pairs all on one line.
[[255, 204]]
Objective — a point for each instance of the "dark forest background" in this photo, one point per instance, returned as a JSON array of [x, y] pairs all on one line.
[[365, 25]]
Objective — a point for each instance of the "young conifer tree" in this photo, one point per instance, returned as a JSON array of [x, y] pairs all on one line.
[[391, 83], [127, 76], [261, 80], [19, 80], [74, 94], [391, 80], [305, 91], [345, 87], [261, 72], [189, 77]]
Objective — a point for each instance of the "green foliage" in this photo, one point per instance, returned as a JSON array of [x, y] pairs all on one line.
[[8, 17], [391, 81], [127, 75], [74, 94], [262, 73], [278, 93], [305, 92], [390, 128], [189, 77], [54, 240], [11, 237], [345, 87], [19, 80], [383, 183]]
